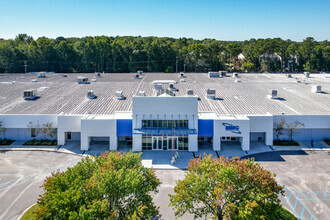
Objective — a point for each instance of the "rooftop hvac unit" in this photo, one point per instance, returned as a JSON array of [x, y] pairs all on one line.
[[29, 94], [119, 95], [213, 74], [97, 75], [42, 75], [136, 76], [307, 74], [210, 93], [34, 80], [316, 88], [93, 80], [158, 87], [82, 80], [181, 75], [142, 93], [222, 73], [140, 72], [91, 95], [272, 94], [235, 75], [171, 87], [190, 92]]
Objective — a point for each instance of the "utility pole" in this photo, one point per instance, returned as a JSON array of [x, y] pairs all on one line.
[[25, 65], [176, 65]]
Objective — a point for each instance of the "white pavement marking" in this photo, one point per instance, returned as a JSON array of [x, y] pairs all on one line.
[[14, 202]]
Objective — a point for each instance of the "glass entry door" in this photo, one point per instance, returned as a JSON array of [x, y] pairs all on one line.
[[172, 142], [157, 143]]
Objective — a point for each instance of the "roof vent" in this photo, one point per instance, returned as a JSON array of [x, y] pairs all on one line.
[[136, 76], [210, 93], [82, 80], [42, 75], [190, 92], [91, 95], [289, 76], [182, 80], [64, 75], [316, 88], [93, 80], [213, 74], [97, 75], [158, 87], [237, 81], [307, 74], [181, 75], [119, 95], [171, 87], [140, 72], [142, 93], [235, 75], [272, 94], [223, 73], [298, 81], [30, 94], [34, 80]]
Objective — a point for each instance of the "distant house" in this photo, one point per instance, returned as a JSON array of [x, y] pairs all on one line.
[[271, 57], [241, 56]]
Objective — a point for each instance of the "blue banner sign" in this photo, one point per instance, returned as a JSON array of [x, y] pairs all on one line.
[[232, 128]]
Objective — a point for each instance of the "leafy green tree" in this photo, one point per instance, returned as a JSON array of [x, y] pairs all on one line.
[[226, 189], [112, 186]]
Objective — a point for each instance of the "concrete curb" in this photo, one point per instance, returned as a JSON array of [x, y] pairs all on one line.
[[41, 149], [19, 218]]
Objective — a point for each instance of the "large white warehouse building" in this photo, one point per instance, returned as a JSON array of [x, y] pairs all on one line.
[[157, 111]]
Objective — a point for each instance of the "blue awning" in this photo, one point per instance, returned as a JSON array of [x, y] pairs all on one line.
[[165, 131]]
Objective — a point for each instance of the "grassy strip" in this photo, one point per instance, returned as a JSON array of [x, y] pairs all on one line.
[[29, 214], [6, 142], [286, 143], [44, 142], [327, 141]]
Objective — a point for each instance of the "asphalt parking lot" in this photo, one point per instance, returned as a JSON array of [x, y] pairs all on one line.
[[302, 172]]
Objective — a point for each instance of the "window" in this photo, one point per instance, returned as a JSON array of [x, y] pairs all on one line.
[[33, 132], [164, 123]]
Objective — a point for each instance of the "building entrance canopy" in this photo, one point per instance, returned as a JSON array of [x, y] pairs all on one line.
[[165, 131]]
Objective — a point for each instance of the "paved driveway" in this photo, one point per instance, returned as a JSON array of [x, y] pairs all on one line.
[[22, 172]]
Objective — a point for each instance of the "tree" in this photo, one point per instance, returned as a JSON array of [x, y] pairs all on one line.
[[2, 129], [226, 189], [114, 185], [49, 130], [34, 128], [279, 129], [292, 128]]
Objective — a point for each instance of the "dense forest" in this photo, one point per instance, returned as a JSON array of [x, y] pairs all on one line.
[[158, 54]]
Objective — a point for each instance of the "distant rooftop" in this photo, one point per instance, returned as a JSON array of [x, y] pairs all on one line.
[[245, 97]]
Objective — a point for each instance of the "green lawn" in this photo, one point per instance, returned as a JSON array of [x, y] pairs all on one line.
[[6, 142], [286, 143], [29, 215], [327, 141], [44, 142]]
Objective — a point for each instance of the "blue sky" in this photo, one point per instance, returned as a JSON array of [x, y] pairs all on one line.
[[199, 19]]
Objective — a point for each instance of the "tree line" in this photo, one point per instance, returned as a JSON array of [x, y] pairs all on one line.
[[160, 54]]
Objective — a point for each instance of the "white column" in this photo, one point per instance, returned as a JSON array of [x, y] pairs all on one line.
[[84, 142], [113, 143], [192, 143], [137, 142], [269, 138], [216, 143], [245, 143], [60, 137]]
